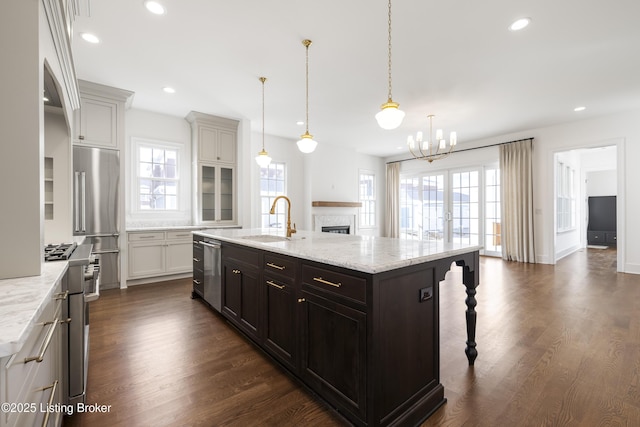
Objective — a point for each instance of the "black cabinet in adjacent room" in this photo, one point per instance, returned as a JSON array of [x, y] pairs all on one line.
[[602, 228]]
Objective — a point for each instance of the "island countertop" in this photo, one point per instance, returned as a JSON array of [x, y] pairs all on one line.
[[360, 253], [23, 299]]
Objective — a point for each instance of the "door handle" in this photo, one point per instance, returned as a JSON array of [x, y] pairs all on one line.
[[83, 182]]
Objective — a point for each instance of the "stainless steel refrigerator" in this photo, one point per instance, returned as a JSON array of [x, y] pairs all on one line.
[[96, 189]]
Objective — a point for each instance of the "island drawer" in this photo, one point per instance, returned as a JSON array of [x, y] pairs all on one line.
[[334, 282], [282, 266], [247, 256]]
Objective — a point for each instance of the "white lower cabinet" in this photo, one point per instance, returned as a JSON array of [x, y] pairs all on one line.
[[31, 380], [159, 253]]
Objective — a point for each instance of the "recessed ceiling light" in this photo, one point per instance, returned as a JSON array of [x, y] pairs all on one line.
[[155, 7], [520, 24], [168, 89], [300, 123], [579, 108], [91, 38]]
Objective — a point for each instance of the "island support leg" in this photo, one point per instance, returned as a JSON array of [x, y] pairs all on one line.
[[470, 315], [470, 281]]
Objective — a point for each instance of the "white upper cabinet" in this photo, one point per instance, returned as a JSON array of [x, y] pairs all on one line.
[[97, 120], [100, 119], [214, 147], [215, 138]]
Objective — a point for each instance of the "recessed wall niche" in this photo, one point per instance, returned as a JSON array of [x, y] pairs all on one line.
[[48, 188]]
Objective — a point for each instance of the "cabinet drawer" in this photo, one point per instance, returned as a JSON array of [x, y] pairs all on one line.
[[179, 235], [334, 282], [279, 265], [141, 237], [18, 373], [247, 256]]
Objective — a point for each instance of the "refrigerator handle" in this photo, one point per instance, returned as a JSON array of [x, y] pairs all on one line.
[[83, 182], [76, 207]]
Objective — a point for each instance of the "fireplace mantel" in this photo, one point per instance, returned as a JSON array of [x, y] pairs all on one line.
[[337, 204]]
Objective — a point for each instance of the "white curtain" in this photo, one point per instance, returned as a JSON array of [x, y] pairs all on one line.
[[392, 211], [517, 201]]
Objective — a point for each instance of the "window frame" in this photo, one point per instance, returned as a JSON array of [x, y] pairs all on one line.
[[368, 207], [182, 180], [280, 216]]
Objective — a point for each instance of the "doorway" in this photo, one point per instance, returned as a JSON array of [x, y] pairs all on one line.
[[581, 175]]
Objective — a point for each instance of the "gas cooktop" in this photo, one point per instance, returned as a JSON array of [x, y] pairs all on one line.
[[59, 252]]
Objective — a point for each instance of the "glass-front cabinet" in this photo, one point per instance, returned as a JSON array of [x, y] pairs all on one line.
[[217, 196], [214, 150]]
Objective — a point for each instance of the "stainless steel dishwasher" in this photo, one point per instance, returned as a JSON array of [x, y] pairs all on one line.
[[212, 274]]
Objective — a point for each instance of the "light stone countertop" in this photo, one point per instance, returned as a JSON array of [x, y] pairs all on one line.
[[176, 227], [22, 300], [361, 253]]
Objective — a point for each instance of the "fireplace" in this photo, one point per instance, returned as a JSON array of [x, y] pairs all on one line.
[[338, 229], [345, 224]]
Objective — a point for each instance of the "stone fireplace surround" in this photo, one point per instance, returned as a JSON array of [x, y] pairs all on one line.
[[320, 221]]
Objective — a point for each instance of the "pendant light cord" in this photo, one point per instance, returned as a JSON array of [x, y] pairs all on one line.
[[389, 46], [263, 79], [307, 43]]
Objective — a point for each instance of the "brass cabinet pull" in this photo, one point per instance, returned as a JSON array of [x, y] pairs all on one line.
[[279, 267], [61, 295], [236, 271], [45, 344], [196, 259], [54, 388], [197, 282], [326, 282], [147, 237], [301, 300], [275, 285]]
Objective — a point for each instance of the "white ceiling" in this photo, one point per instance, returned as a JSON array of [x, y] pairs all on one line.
[[452, 58]]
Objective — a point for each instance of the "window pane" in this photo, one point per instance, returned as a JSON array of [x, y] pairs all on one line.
[[162, 165]]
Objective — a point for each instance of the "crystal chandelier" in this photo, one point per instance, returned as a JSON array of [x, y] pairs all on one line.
[[390, 116], [263, 158], [431, 149], [306, 144]]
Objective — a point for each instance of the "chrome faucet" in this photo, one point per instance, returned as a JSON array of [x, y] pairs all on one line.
[[290, 230]]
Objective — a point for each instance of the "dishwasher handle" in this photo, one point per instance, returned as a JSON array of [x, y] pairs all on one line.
[[212, 245]]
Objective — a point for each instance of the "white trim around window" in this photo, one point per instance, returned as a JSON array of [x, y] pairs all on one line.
[[176, 181]]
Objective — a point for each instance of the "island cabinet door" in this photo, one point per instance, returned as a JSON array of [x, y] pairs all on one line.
[[240, 299], [334, 353], [279, 320]]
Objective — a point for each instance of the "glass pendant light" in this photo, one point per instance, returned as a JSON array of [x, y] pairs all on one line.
[[306, 144], [263, 158], [390, 116]]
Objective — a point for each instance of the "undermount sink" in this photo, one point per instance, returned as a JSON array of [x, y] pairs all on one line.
[[266, 238]]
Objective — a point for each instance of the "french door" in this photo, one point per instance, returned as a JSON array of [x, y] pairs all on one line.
[[461, 206]]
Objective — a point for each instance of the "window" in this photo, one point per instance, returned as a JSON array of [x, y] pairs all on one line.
[[272, 184], [566, 197], [368, 199], [158, 177]]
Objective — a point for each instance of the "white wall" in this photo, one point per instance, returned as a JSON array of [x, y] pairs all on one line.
[[27, 45], [602, 183], [161, 128], [330, 173]]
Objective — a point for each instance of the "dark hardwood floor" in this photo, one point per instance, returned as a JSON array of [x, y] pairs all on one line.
[[558, 346]]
